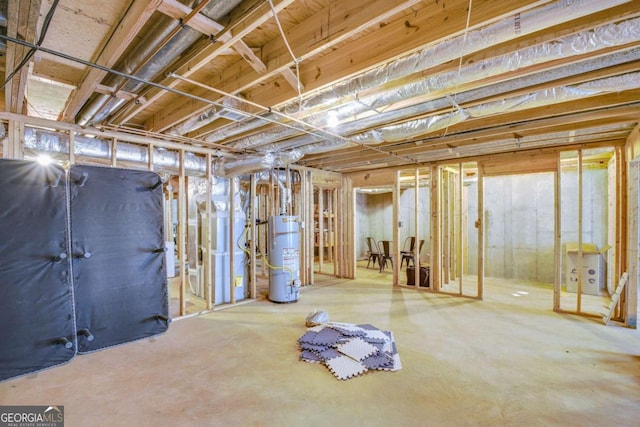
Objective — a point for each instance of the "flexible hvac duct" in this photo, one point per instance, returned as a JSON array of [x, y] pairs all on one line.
[[529, 142], [576, 44], [101, 106], [264, 142], [251, 164], [550, 96], [195, 122], [54, 142], [518, 25]]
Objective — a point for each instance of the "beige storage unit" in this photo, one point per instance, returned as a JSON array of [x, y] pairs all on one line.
[[592, 269]]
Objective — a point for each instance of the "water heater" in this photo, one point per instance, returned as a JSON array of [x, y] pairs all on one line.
[[284, 258]]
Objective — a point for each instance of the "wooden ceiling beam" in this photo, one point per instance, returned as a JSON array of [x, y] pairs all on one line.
[[224, 40], [388, 41], [123, 34], [209, 27], [22, 25], [543, 119]]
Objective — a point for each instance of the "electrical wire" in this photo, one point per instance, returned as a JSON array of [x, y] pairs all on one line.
[[454, 103], [32, 51], [296, 60]]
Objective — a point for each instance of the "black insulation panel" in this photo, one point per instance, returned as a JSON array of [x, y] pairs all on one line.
[[37, 328], [120, 280]]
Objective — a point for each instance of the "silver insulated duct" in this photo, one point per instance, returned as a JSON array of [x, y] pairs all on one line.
[[102, 106]]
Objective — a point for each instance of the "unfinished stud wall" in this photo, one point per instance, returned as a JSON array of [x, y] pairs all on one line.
[[519, 222], [361, 226], [406, 213], [374, 217]]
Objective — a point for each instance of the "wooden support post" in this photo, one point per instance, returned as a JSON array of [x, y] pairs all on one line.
[[396, 229], [252, 248], [182, 241], [336, 232], [273, 202], [14, 147], [621, 230], [232, 239], [434, 260], [150, 149], [206, 249], [321, 241], [461, 242], [416, 216], [580, 275], [262, 232], [351, 223], [632, 245], [72, 147], [114, 152], [308, 190], [444, 194], [557, 235], [480, 225]]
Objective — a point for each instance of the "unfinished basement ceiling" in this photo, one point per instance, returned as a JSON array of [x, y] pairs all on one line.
[[336, 85]]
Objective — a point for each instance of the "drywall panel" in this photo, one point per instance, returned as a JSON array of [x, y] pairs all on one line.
[[120, 280], [36, 299]]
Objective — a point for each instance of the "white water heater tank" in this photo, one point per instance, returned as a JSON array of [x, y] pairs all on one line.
[[284, 257]]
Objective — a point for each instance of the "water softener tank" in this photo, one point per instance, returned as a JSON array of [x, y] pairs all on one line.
[[284, 257]]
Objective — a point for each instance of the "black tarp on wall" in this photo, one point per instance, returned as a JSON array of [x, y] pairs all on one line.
[[36, 300], [120, 280]]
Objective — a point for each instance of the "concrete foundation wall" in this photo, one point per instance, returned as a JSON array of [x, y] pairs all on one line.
[[519, 221], [406, 214], [374, 218]]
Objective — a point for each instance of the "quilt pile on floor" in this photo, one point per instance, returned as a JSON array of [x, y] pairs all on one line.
[[349, 350]]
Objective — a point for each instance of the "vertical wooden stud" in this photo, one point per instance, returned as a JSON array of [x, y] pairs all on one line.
[[232, 239], [416, 216], [461, 242], [396, 229], [557, 234], [435, 230], [114, 152], [206, 250], [321, 242], [150, 149], [444, 194], [580, 275], [182, 244], [481, 236], [310, 227], [14, 148], [337, 235], [252, 248], [72, 147]]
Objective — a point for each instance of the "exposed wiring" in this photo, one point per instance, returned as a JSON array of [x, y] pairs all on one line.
[[29, 55], [296, 60], [464, 42]]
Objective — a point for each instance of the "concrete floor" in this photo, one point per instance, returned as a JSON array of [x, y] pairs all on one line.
[[506, 360]]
